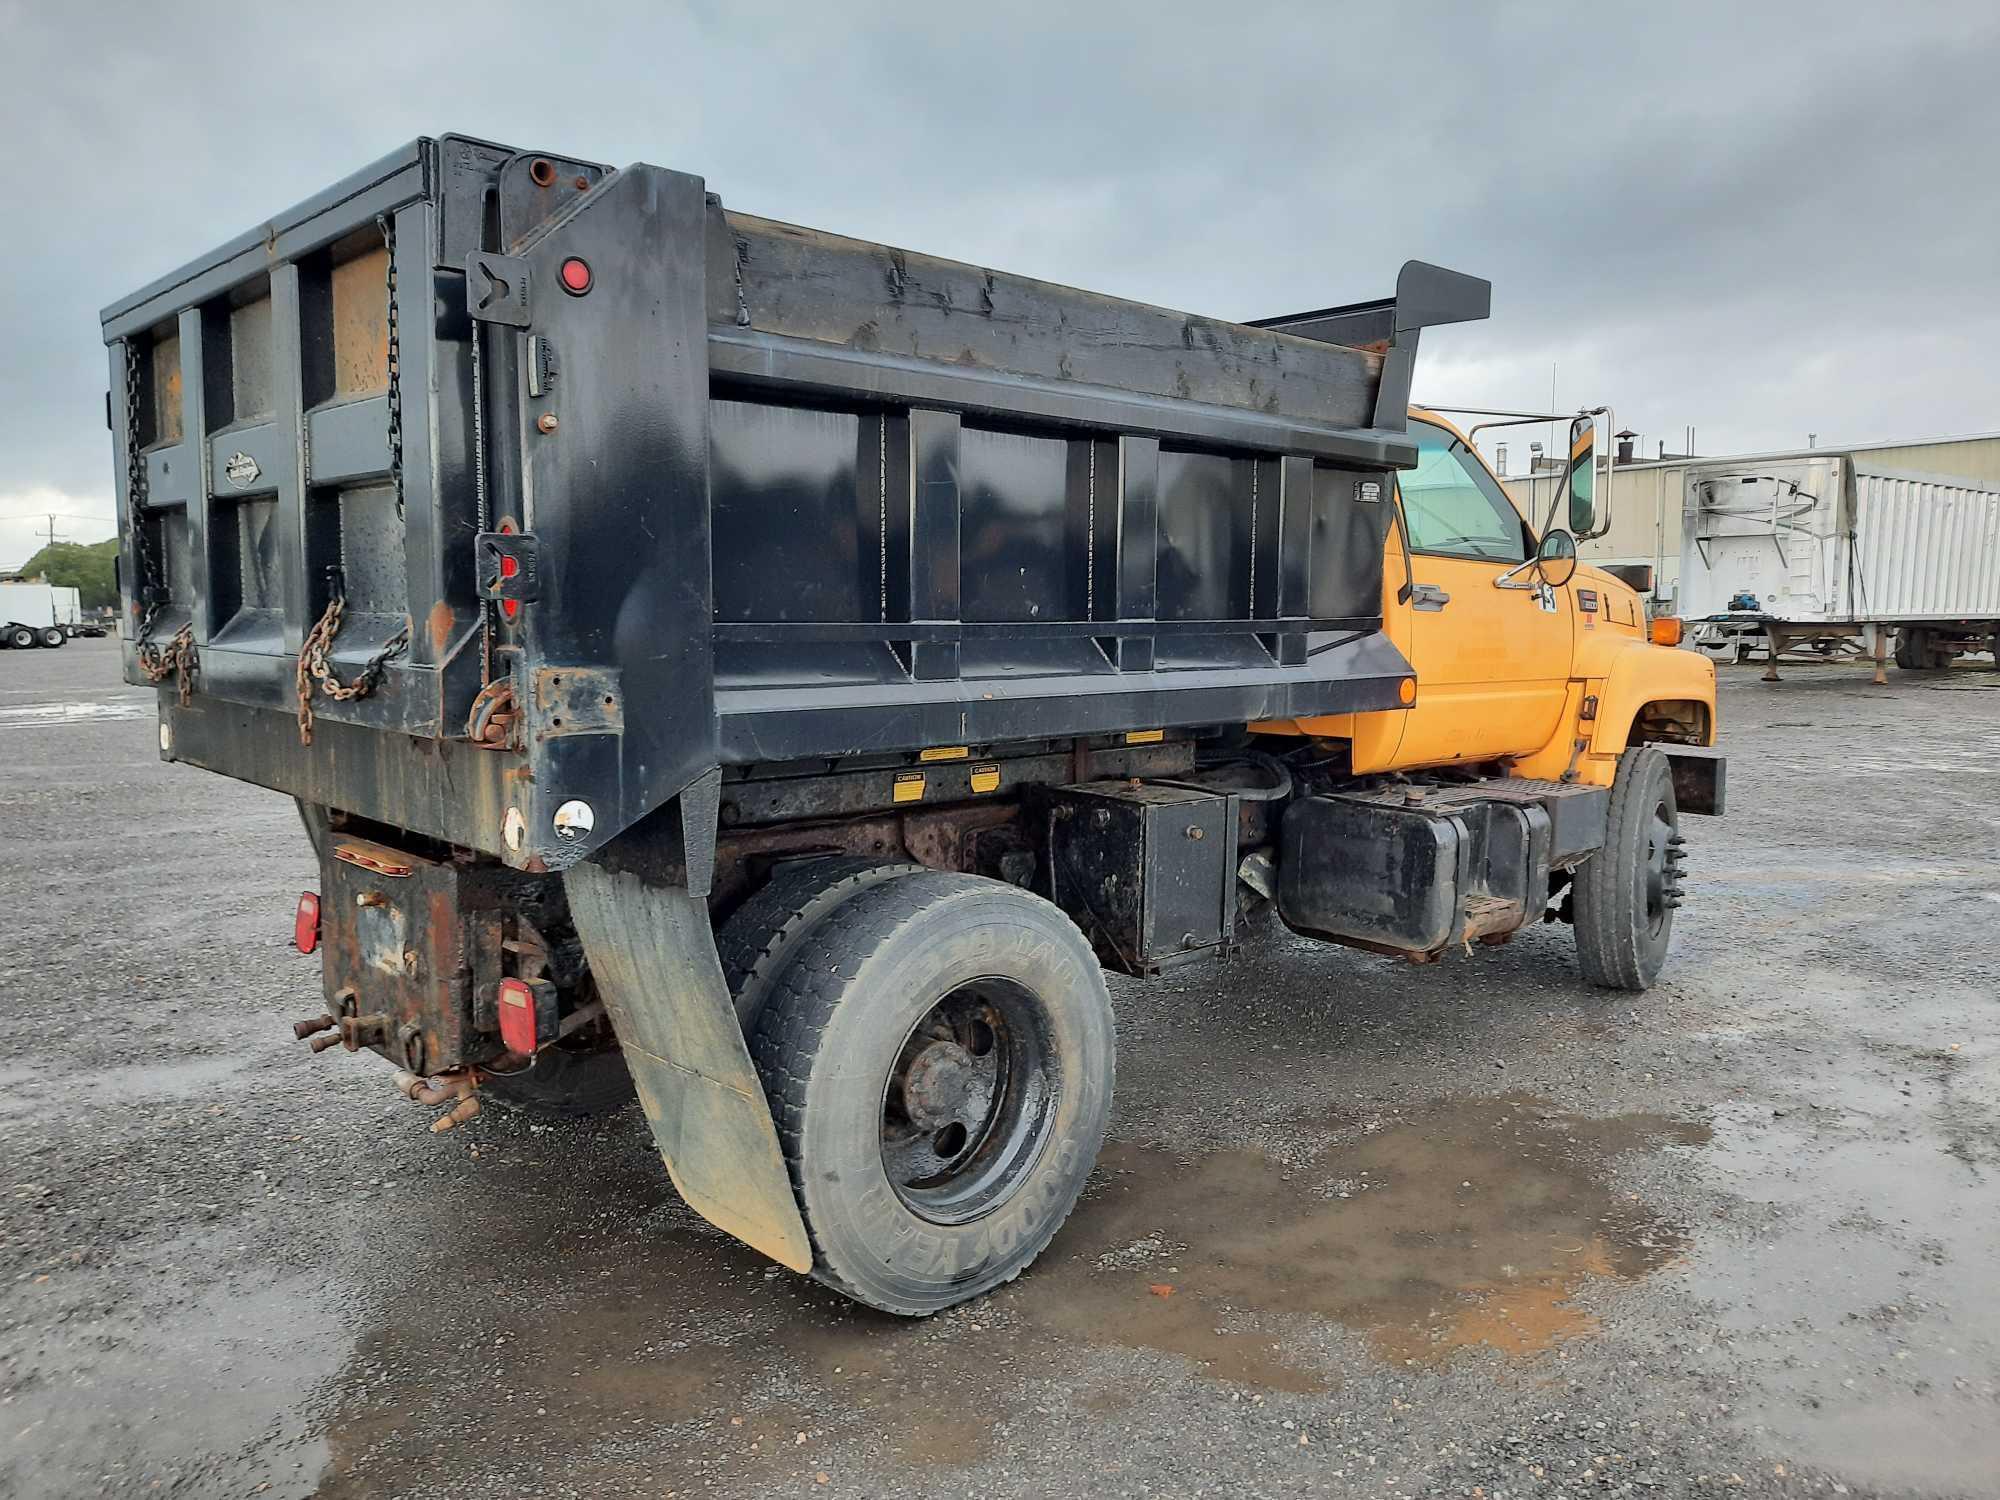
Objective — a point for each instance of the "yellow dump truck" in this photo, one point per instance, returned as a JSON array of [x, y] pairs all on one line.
[[778, 674]]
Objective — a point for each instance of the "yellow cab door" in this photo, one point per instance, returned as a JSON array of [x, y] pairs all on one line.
[[1492, 663]]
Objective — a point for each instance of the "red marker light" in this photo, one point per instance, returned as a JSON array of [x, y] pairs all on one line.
[[575, 274], [305, 923], [517, 1016]]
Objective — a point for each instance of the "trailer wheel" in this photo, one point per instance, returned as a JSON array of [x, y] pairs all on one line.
[[1627, 891], [939, 1058], [1916, 653], [52, 636], [760, 937], [20, 637]]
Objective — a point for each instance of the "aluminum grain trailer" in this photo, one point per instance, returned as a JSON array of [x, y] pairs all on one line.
[[1831, 554]]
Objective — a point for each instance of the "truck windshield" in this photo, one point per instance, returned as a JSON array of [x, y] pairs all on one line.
[[1454, 506]]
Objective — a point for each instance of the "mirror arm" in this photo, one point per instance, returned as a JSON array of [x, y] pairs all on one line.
[[1610, 465], [1409, 588]]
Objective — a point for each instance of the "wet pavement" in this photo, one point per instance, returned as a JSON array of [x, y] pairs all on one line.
[[1361, 1229]]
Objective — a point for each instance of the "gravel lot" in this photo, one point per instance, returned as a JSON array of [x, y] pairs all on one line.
[[1362, 1230]]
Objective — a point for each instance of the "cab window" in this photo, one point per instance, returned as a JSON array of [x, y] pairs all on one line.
[[1454, 507]]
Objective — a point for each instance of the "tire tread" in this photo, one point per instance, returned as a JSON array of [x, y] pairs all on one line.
[[1607, 933], [794, 1022]]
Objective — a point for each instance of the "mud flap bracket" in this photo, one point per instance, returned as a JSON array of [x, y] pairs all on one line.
[[653, 954]]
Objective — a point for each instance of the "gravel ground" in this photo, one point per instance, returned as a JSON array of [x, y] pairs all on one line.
[[1362, 1229]]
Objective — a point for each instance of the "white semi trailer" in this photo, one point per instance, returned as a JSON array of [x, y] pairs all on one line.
[[1831, 554], [37, 614]]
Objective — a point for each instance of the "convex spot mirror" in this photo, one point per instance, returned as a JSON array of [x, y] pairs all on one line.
[[1555, 559], [1583, 477]]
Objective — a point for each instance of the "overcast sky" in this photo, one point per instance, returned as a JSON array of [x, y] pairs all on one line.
[[1760, 220]]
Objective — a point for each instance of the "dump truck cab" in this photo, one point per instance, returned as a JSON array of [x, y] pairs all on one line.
[[779, 675], [1542, 665]]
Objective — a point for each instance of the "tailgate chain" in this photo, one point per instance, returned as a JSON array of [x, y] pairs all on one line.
[[387, 225], [315, 665], [176, 659]]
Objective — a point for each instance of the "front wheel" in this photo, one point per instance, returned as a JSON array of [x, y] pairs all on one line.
[[1627, 891], [939, 1060]]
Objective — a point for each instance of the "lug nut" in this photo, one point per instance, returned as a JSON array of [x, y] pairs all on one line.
[[546, 422], [321, 1043]]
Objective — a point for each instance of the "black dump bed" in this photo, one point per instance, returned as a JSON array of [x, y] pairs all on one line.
[[615, 487]]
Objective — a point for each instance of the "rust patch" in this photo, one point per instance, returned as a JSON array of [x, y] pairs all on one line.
[[578, 700], [438, 624], [167, 418], [361, 325]]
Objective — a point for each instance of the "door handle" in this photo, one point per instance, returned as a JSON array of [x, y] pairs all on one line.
[[1428, 596]]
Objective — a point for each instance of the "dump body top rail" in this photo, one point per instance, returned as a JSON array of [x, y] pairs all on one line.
[[672, 487]]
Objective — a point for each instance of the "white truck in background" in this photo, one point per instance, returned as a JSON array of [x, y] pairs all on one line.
[[38, 614], [1831, 554]]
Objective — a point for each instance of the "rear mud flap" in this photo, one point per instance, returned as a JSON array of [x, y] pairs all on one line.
[[653, 955]]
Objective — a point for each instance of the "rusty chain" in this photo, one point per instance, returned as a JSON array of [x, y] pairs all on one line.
[[315, 668], [315, 664], [387, 225], [177, 658]]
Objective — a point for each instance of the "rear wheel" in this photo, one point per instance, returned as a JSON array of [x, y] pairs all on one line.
[[939, 1058], [1627, 891], [758, 940], [52, 636], [20, 637]]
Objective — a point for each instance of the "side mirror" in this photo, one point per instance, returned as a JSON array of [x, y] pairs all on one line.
[[1555, 559], [1583, 477]]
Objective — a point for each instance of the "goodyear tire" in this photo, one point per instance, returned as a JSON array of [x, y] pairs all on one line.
[[758, 940], [1627, 891], [939, 1059]]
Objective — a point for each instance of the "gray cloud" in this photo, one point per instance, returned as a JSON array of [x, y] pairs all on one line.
[[1761, 221]]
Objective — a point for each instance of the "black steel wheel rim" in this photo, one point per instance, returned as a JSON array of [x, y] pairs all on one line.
[[1659, 861], [970, 1101]]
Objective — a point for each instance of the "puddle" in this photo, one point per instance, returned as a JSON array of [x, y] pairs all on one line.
[[1466, 1225], [214, 1384], [35, 715], [1851, 1307], [24, 1091], [1472, 1223]]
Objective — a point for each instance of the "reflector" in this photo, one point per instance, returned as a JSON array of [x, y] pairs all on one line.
[[305, 922], [517, 1016]]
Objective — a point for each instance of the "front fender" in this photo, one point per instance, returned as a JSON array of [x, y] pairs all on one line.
[[1640, 673]]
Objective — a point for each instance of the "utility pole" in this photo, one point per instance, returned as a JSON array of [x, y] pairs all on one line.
[[53, 538]]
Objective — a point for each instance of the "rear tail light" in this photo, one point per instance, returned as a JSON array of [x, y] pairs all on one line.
[[1667, 630], [305, 922], [517, 1016]]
